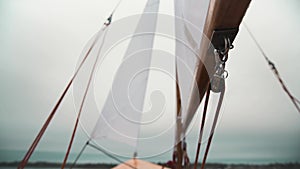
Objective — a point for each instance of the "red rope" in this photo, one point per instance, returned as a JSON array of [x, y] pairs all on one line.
[[81, 106], [295, 101], [293, 98], [213, 128], [50, 117], [202, 126], [80, 153], [42, 131]]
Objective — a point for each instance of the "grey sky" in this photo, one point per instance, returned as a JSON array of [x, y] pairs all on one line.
[[41, 42]]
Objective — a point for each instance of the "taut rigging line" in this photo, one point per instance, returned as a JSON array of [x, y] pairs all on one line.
[[295, 101]]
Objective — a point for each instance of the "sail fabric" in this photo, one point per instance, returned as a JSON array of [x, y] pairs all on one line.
[[121, 115], [189, 25]]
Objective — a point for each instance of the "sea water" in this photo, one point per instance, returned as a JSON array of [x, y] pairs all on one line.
[[98, 157]]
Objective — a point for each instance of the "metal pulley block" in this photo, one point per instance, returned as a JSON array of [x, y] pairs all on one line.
[[218, 80], [217, 84]]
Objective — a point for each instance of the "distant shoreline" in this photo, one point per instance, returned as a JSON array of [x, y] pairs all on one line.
[[110, 165], [53, 164]]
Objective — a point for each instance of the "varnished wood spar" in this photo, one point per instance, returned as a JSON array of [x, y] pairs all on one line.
[[222, 14]]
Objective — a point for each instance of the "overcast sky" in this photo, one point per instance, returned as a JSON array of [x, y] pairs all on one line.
[[40, 46]]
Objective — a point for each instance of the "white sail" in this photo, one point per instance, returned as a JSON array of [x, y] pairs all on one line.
[[189, 25], [122, 111]]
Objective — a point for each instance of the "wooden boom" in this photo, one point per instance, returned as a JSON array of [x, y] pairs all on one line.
[[223, 16]]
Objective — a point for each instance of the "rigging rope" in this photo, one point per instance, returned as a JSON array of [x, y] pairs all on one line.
[[106, 24], [213, 128], [118, 4], [202, 126], [222, 92], [216, 85], [54, 110], [50, 117], [80, 153], [83, 100], [295, 101]]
